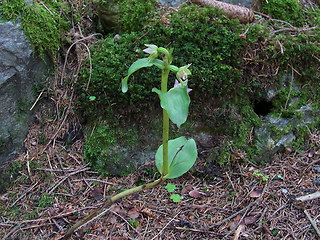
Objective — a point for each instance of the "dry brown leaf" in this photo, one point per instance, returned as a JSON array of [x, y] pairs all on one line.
[[96, 193], [196, 194], [266, 229], [116, 209], [233, 224], [250, 220], [187, 189], [148, 212], [134, 213], [256, 193]]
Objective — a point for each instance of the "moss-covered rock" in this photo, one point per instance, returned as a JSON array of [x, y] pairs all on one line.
[[122, 15], [234, 67], [44, 24]]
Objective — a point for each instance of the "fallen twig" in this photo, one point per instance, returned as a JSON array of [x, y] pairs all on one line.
[[314, 225], [35, 102], [245, 15], [65, 178], [165, 226], [67, 54], [25, 193], [123, 220], [308, 197], [93, 180]]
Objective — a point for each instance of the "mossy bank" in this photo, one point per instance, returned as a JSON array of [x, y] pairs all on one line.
[[234, 68]]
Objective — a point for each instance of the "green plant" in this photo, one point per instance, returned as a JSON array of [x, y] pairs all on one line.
[[177, 156], [170, 187], [174, 157], [175, 198], [260, 176], [134, 223]]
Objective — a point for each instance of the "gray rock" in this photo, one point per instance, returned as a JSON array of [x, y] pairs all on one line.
[[245, 3], [317, 169], [19, 71], [171, 3], [280, 132]]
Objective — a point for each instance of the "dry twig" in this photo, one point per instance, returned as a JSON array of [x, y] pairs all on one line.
[[65, 178]]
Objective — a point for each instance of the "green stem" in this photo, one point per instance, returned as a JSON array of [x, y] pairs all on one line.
[[165, 133], [109, 201]]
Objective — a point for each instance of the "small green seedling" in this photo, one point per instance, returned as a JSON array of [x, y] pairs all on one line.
[[170, 187], [92, 98], [134, 223], [176, 156], [175, 198], [260, 175]]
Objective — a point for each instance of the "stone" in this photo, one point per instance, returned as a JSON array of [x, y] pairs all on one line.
[[107, 14], [317, 169], [244, 3], [19, 71], [171, 3], [277, 132]]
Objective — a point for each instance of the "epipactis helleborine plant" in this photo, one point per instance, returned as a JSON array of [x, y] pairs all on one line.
[[174, 157]]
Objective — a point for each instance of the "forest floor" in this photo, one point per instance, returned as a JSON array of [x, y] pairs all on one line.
[[55, 188]]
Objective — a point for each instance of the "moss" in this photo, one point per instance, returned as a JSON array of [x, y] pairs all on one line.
[[45, 200], [123, 15], [106, 149], [288, 10], [43, 26], [214, 66], [8, 175], [135, 14]]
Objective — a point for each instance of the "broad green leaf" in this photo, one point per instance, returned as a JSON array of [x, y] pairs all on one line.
[[140, 63], [182, 154], [158, 63], [176, 102], [170, 187]]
